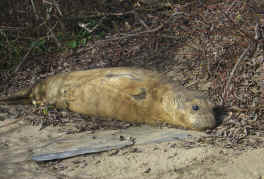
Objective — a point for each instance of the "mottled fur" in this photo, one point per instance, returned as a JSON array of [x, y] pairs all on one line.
[[129, 94]]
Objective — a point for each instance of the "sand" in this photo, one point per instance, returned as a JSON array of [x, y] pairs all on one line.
[[181, 158]]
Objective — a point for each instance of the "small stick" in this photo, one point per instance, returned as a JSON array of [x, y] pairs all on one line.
[[242, 56], [52, 34], [34, 9], [23, 60], [231, 6], [133, 35], [235, 25], [84, 26], [141, 21]]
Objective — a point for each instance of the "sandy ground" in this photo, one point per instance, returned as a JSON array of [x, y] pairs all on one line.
[[180, 158]]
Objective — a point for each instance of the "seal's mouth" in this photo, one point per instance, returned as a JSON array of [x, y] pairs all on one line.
[[203, 123]]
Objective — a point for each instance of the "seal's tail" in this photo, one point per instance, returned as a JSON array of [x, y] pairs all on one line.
[[20, 97]]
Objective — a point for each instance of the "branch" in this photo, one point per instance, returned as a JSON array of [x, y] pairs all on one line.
[[133, 35], [23, 60], [242, 56]]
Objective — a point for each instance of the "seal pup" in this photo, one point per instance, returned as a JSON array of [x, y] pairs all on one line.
[[129, 94]]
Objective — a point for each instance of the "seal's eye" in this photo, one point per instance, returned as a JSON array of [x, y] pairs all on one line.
[[195, 107]]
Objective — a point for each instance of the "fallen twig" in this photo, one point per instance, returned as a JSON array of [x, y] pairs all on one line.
[[235, 25], [34, 9], [23, 60], [132, 35], [52, 34], [141, 21], [242, 56], [85, 26]]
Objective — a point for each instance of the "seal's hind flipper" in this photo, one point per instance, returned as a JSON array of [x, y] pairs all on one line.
[[20, 97]]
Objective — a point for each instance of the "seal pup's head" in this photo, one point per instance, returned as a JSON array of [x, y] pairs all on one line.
[[189, 109]]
